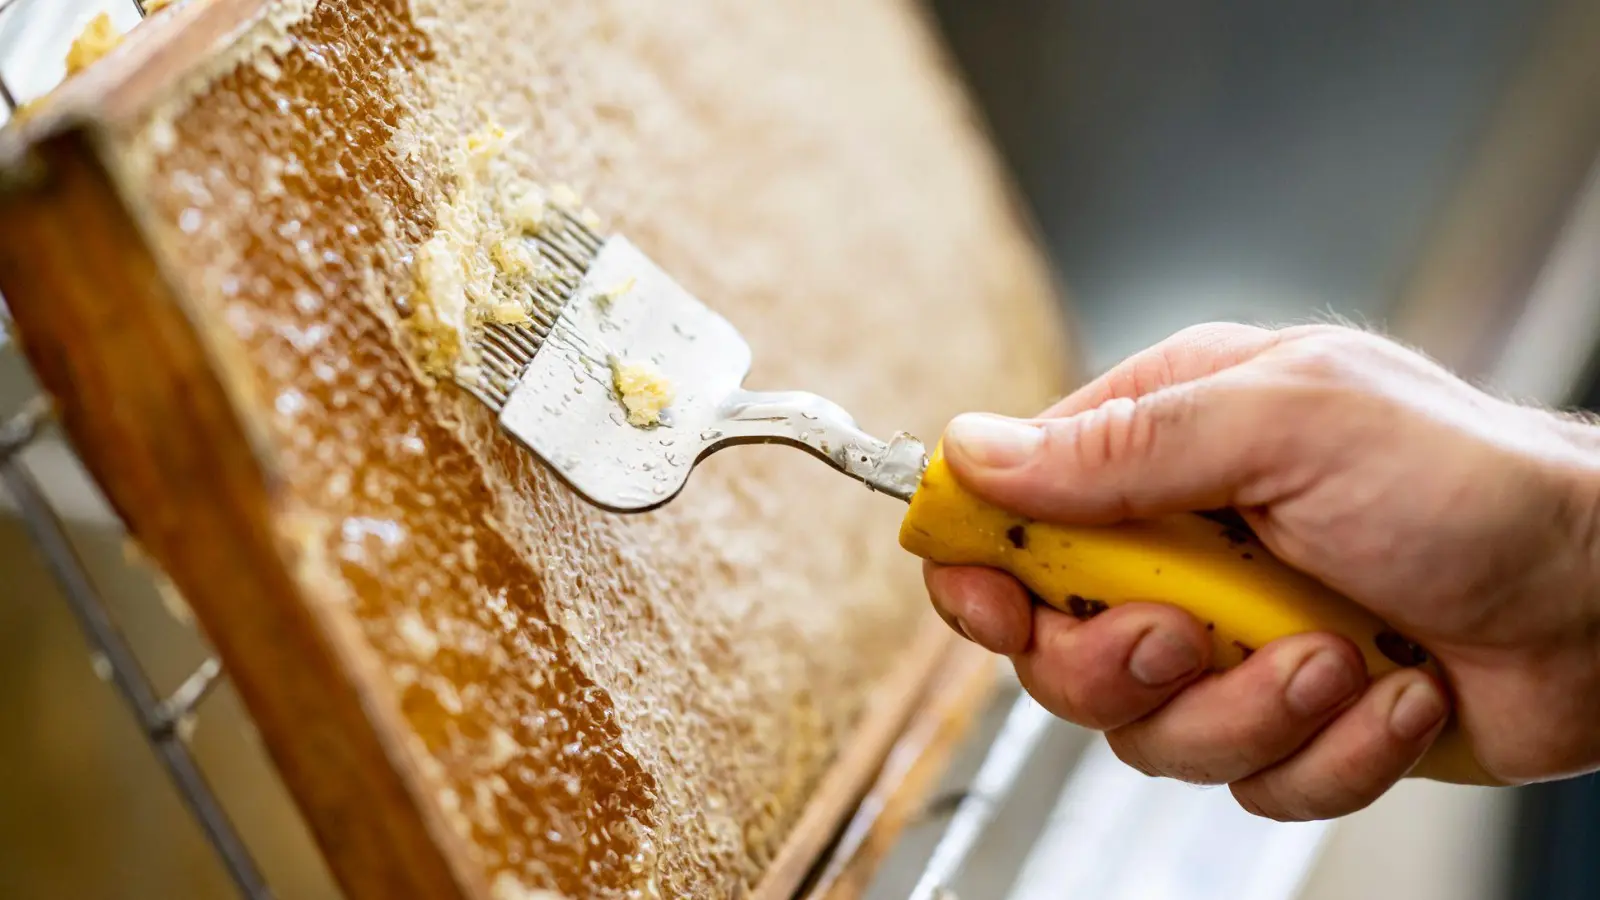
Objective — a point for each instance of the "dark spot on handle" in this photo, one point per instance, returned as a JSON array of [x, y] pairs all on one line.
[[1400, 650], [1084, 608], [1244, 648], [1211, 626], [1018, 536], [1228, 518], [1235, 530], [1247, 556]]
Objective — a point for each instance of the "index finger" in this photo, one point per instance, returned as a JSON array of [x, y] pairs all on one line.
[[1191, 354]]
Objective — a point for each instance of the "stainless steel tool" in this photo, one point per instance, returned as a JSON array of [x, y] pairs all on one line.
[[605, 304]]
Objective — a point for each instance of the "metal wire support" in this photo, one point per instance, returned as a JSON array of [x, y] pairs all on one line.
[[158, 718], [996, 779], [162, 720]]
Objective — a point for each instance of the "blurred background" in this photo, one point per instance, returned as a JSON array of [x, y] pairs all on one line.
[[1427, 167]]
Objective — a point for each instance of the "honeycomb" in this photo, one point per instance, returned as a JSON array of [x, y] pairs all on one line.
[[603, 706]]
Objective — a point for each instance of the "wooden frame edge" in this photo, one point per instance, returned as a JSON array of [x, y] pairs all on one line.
[[175, 461], [897, 799], [883, 721]]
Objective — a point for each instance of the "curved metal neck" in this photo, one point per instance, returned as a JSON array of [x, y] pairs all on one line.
[[825, 430]]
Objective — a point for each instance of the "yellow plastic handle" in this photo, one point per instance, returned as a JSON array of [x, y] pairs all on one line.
[[1220, 574]]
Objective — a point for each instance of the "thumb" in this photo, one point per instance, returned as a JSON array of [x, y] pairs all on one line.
[[1194, 446]]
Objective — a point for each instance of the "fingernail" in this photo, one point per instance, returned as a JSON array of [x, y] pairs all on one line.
[[1417, 711], [1162, 657], [1321, 683], [993, 442]]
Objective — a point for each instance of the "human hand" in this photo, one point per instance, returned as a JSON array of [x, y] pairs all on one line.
[[1467, 522]]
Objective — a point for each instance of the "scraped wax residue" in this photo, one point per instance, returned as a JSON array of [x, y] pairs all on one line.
[[480, 265], [98, 38], [644, 390]]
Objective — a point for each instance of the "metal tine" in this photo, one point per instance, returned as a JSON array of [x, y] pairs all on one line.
[[512, 350], [572, 224], [484, 385], [562, 270], [542, 324], [588, 238], [571, 248], [496, 379], [524, 343], [501, 332], [496, 363], [497, 390], [555, 252], [485, 393], [572, 238], [549, 325], [560, 274], [491, 379], [499, 366], [520, 338], [550, 304], [503, 357], [575, 260]]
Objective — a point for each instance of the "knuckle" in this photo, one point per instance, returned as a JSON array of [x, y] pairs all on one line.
[[1129, 431], [1154, 754], [1102, 437], [1149, 370], [1125, 430], [1130, 750], [1084, 710], [1248, 747], [1056, 696], [1352, 784], [1258, 797], [1330, 357], [1309, 793]]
